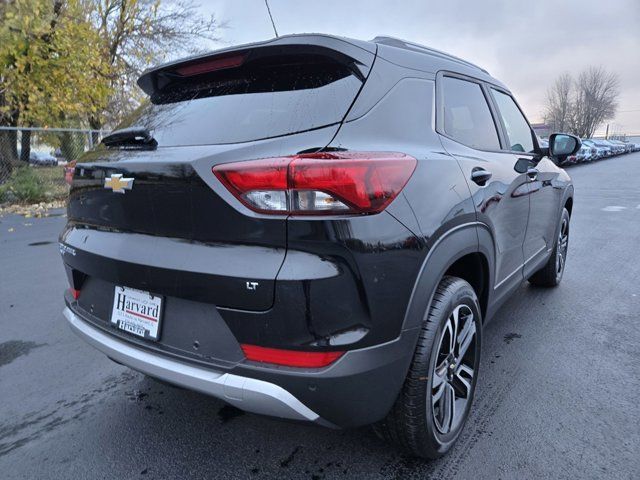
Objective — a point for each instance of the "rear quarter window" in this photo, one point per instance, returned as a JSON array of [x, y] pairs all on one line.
[[467, 118]]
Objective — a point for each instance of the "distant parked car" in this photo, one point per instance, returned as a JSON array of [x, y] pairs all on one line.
[[570, 160], [608, 149], [42, 158], [617, 148], [628, 147], [584, 154], [59, 155], [597, 152]]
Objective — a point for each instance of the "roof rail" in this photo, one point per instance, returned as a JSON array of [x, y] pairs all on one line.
[[399, 43]]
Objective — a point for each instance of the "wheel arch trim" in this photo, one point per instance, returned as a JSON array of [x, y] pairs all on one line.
[[453, 244], [567, 196]]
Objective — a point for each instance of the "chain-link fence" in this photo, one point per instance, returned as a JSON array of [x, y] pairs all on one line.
[[35, 161]]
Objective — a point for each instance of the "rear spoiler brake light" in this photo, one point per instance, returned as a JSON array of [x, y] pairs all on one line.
[[211, 65], [358, 58]]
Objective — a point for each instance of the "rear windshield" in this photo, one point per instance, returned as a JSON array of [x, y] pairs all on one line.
[[256, 101]]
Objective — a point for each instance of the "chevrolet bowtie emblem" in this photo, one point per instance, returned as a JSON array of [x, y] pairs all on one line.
[[118, 184]]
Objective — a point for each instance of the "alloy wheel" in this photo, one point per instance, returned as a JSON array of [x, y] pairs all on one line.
[[562, 247], [452, 384]]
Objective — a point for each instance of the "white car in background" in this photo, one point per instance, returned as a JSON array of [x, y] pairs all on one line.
[[628, 147], [617, 148], [584, 154], [40, 158], [600, 151]]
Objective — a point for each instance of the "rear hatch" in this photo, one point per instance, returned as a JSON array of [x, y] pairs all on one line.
[[147, 212]]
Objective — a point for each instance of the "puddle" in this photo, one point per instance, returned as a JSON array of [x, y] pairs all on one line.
[[13, 349]]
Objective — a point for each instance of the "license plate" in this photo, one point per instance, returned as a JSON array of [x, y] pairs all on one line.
[[137, 312]]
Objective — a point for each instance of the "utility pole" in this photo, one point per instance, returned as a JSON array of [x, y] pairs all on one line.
[[606, 135]]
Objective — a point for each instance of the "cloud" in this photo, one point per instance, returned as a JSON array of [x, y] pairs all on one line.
[[524, 44]]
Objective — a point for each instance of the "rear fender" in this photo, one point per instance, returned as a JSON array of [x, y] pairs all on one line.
[[450, 246]]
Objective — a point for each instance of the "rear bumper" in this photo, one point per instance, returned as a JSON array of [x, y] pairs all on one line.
[[356, 390], [246, 393]]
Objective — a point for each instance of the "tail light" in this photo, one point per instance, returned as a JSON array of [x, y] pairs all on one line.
[[319, 183], [74, 293], [290, 358]]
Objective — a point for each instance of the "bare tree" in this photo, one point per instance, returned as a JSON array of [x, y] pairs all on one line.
[[580, 106], [559, 103], [596, 100], [137, 33]]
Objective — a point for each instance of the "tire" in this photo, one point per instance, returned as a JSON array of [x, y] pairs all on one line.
[[551, 274], [418, 421]]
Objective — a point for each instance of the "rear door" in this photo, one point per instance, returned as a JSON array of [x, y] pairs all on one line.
[[175, 230], [469, 131]]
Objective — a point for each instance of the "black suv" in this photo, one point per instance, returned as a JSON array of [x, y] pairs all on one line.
[[316, 228]]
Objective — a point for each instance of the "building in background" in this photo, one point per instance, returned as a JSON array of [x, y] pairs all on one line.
[[542, 130]]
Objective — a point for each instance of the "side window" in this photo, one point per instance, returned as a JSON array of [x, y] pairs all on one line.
[[518, 130], [467, 118]]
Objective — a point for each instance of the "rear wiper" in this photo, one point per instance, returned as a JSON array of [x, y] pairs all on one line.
[[137, 138]]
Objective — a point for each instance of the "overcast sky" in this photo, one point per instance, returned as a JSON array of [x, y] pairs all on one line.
[[525, 44]]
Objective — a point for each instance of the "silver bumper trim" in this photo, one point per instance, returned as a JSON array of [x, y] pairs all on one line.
[[245, 393]]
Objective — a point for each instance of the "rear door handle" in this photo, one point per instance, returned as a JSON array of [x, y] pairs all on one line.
[[480, 176], [532, 173]]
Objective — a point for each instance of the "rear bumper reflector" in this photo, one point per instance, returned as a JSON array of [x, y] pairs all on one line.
[[290, 358]]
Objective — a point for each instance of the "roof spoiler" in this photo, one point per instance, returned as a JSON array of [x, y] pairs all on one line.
[[358, 56]]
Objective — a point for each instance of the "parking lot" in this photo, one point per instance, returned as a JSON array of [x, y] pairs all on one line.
[[557, 396]]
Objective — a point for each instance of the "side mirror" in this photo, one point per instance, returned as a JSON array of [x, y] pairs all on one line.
[[561, 145]]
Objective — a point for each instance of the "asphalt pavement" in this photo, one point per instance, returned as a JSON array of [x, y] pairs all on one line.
[[558, 394]]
